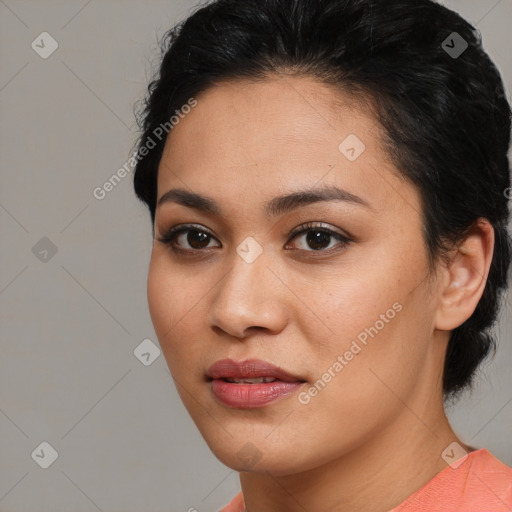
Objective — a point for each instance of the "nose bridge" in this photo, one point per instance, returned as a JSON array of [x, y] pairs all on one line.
[[248, 274], [244, 297]]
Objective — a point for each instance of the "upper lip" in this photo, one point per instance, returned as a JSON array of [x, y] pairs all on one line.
[[249, 368]]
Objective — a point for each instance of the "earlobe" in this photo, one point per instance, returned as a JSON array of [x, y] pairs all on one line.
[[465, 276]]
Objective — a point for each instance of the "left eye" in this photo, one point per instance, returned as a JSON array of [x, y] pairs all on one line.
[[319, 238]]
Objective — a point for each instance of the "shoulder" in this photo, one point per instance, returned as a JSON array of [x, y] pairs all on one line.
[[487, 474], [235, 505], [479, 482]]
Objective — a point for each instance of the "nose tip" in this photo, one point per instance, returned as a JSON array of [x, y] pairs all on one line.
[[248, 298]]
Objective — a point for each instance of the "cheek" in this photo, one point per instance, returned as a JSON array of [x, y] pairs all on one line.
[[377, 342], [357, 394], [159, 293], [170, 293], [175, 301], [166, 302], [379, 353], [349, 304]]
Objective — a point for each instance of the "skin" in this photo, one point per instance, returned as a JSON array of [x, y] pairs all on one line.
[[375, 433]]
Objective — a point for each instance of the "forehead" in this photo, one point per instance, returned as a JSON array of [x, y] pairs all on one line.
[[253, 121], [259, 138]]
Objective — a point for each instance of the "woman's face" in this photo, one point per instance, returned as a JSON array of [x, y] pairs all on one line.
[[347, 312]]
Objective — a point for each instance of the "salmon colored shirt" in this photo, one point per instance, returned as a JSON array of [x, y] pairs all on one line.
[[481, 483]]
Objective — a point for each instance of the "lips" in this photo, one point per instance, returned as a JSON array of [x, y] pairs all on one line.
[[251, 384], [246, 371]]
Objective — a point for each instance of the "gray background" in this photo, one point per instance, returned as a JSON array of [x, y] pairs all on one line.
[[70, 323]]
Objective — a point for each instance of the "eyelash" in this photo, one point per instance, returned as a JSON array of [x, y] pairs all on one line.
[[169, 236]]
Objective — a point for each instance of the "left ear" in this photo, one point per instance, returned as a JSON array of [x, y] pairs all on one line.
[[463, 279]]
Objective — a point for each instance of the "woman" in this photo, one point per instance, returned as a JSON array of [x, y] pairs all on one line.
[[327, 182]]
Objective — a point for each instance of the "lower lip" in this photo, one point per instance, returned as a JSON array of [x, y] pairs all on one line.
[[249, 396]]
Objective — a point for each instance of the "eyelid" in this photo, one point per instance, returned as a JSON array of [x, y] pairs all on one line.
[[321, 226]]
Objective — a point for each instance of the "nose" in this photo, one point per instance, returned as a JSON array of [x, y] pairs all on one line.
[[249, 298]]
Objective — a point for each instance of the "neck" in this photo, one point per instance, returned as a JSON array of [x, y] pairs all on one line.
[[375, 476]]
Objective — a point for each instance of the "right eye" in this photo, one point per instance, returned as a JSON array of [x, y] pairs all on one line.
[[196, 237]]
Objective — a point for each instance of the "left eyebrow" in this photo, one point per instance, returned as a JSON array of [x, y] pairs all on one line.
[[276, 206]]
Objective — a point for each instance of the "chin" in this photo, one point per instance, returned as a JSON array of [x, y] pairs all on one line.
[[243, 455], [258, 464]]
